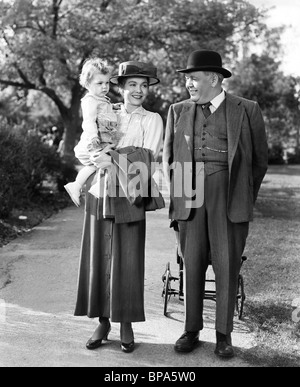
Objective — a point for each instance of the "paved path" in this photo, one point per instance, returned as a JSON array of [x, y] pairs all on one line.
[[38, 278]]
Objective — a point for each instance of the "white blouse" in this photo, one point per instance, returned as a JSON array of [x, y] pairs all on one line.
[[141, 128]]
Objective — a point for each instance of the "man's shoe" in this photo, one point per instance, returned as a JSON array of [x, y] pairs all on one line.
[[187, 342], [224, 346]]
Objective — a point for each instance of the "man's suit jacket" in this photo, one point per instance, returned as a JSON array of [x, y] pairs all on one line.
[[247, 156]]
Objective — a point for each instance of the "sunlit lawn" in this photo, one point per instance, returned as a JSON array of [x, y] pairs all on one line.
[[272, 272]]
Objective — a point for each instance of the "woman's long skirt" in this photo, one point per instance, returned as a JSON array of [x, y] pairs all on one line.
[[112, 267]]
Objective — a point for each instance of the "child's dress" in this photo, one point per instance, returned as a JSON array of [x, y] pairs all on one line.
[[100, 127]]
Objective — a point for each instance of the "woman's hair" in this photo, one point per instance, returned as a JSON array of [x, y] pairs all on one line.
[[92, 66]]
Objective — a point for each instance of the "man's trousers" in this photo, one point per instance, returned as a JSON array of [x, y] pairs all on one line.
[[209, 234]]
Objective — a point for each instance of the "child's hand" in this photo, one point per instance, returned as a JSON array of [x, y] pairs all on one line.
[[94, 145], [109, 147], [117, 106], [102, 156]]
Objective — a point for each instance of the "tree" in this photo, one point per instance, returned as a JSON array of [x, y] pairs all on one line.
[[44, 43], [259, 78]]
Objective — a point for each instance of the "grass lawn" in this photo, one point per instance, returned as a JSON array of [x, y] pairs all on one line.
[[272, 272]]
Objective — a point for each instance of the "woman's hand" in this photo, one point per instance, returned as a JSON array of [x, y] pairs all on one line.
[[101, 158]]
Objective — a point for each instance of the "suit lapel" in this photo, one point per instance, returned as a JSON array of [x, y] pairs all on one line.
[[234, 113], [186, 123]]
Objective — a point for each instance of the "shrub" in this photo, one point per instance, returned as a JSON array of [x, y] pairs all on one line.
[[294, 158], [26, 164], [276, 154], [11, 175]]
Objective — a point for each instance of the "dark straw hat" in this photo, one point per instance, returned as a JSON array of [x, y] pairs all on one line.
[[136, 69], [205, 60]]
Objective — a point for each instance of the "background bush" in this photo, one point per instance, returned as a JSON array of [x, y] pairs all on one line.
[[28, 168], [276, 155], [294, 158]]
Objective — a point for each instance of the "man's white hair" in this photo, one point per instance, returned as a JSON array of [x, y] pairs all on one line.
[[220, 76]]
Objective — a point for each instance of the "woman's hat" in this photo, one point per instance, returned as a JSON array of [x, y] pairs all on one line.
[[205, 60], [136, 69]]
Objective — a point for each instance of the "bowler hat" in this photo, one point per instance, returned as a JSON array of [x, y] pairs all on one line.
[[136, 69], [205, 60]]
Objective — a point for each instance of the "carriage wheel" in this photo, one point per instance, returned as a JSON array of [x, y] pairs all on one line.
[[167, 289], [240, 298]]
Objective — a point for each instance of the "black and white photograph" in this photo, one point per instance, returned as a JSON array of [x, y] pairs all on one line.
[[149, 186]]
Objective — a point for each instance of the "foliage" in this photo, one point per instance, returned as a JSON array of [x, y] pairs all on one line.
[[276, 154], [259, 78], [25, 165], [293, 158], [44, 43]]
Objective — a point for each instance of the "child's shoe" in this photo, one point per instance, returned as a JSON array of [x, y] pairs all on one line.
[[74, 190]]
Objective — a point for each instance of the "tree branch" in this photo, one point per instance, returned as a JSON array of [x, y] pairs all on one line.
[[104, 4], [41, 76], [24, 78], [7, 82], [55, 98], [51, 93], [41, 29], [31, 27], [56, 7]]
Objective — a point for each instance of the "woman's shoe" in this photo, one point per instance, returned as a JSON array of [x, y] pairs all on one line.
[[94, 344], [128, 348]]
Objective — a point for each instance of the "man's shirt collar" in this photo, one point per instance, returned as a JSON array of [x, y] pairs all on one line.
[[216, 102]]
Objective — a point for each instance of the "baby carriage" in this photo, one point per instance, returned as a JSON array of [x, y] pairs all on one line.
[[209, 294]]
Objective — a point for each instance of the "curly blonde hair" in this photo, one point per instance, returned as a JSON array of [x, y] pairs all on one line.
[[92, 66]]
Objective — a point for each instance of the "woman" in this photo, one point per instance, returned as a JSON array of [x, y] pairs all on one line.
[[111, 276]]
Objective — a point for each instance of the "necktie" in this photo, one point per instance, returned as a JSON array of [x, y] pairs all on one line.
[[206, 109]]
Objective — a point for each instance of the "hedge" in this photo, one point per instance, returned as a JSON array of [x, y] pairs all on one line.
[[26, 164]]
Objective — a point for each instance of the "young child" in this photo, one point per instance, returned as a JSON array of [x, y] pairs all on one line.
[[99, 121]]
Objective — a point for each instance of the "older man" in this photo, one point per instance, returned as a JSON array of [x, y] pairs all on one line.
[[215, 158]]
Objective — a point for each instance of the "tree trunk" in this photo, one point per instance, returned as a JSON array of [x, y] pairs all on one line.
[[71, 120], [70, 138], [72, 124]]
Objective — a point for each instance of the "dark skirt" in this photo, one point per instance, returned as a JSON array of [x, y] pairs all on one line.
[[112, 266]]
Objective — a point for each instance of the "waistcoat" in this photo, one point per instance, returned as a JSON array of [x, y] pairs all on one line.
[[210, 140]]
